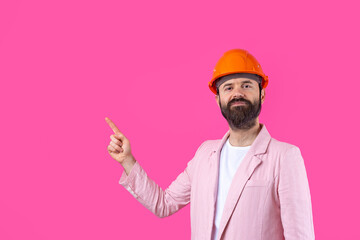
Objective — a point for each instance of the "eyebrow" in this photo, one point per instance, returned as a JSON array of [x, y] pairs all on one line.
[[246, 81]]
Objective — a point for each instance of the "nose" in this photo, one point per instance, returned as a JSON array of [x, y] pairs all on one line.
[[238, 92]]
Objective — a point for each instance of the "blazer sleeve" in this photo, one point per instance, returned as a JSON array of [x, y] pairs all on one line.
[[161, 202], [294, 196]]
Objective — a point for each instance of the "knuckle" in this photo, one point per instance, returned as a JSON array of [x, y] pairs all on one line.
[[117, 141], [115, 145], [113, 138]]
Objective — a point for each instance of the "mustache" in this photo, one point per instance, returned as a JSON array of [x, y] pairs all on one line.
[[235, 100]]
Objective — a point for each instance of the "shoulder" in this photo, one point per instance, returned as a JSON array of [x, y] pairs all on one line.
[[207, 147], [281, 146], [209, 144], [283, 157]]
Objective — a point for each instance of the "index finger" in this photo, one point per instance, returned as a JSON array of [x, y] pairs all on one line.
[[112, 125]]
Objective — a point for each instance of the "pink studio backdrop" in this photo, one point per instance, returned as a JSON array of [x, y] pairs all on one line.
[[66, 65]]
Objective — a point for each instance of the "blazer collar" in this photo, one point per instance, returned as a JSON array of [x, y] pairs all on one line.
[[259, 145]]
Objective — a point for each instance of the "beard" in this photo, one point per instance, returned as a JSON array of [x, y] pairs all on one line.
[[243, 116]]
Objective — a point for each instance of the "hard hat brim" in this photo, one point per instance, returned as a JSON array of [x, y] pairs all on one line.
[[212, 85]]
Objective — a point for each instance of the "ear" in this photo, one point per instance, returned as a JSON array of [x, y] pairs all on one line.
[[262, 95], [217, 98]]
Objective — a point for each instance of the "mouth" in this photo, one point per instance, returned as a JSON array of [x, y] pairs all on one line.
[[238, 103]]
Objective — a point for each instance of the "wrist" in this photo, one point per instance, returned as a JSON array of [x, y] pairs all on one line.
[[128, 164]]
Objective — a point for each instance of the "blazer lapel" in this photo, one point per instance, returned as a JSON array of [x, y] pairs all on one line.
[[244, 172], [213, 184]]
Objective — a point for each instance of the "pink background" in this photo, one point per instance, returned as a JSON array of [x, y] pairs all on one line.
[[66, 65]]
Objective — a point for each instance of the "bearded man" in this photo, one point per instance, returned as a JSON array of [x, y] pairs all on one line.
[[245, 186]]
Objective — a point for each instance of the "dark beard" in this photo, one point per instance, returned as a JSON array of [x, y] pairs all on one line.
[[241, 117]]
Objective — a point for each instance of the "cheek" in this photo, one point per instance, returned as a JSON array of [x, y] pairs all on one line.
[[223, 102]]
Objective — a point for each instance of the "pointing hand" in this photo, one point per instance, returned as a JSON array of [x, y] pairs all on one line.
[[119, 147]]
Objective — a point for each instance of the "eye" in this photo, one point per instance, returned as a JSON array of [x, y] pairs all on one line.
[[228, 88], [247, 86]]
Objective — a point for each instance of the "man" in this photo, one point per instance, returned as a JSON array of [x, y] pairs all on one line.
[[246, 186]]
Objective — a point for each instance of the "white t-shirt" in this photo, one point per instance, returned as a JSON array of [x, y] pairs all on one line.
[[230, 160]]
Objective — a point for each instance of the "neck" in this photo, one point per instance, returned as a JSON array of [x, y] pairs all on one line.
[[244, 137]]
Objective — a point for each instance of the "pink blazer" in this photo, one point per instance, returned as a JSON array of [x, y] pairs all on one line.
[[269, 198]]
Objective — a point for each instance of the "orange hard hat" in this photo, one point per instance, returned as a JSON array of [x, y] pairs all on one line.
[[237, 61]]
